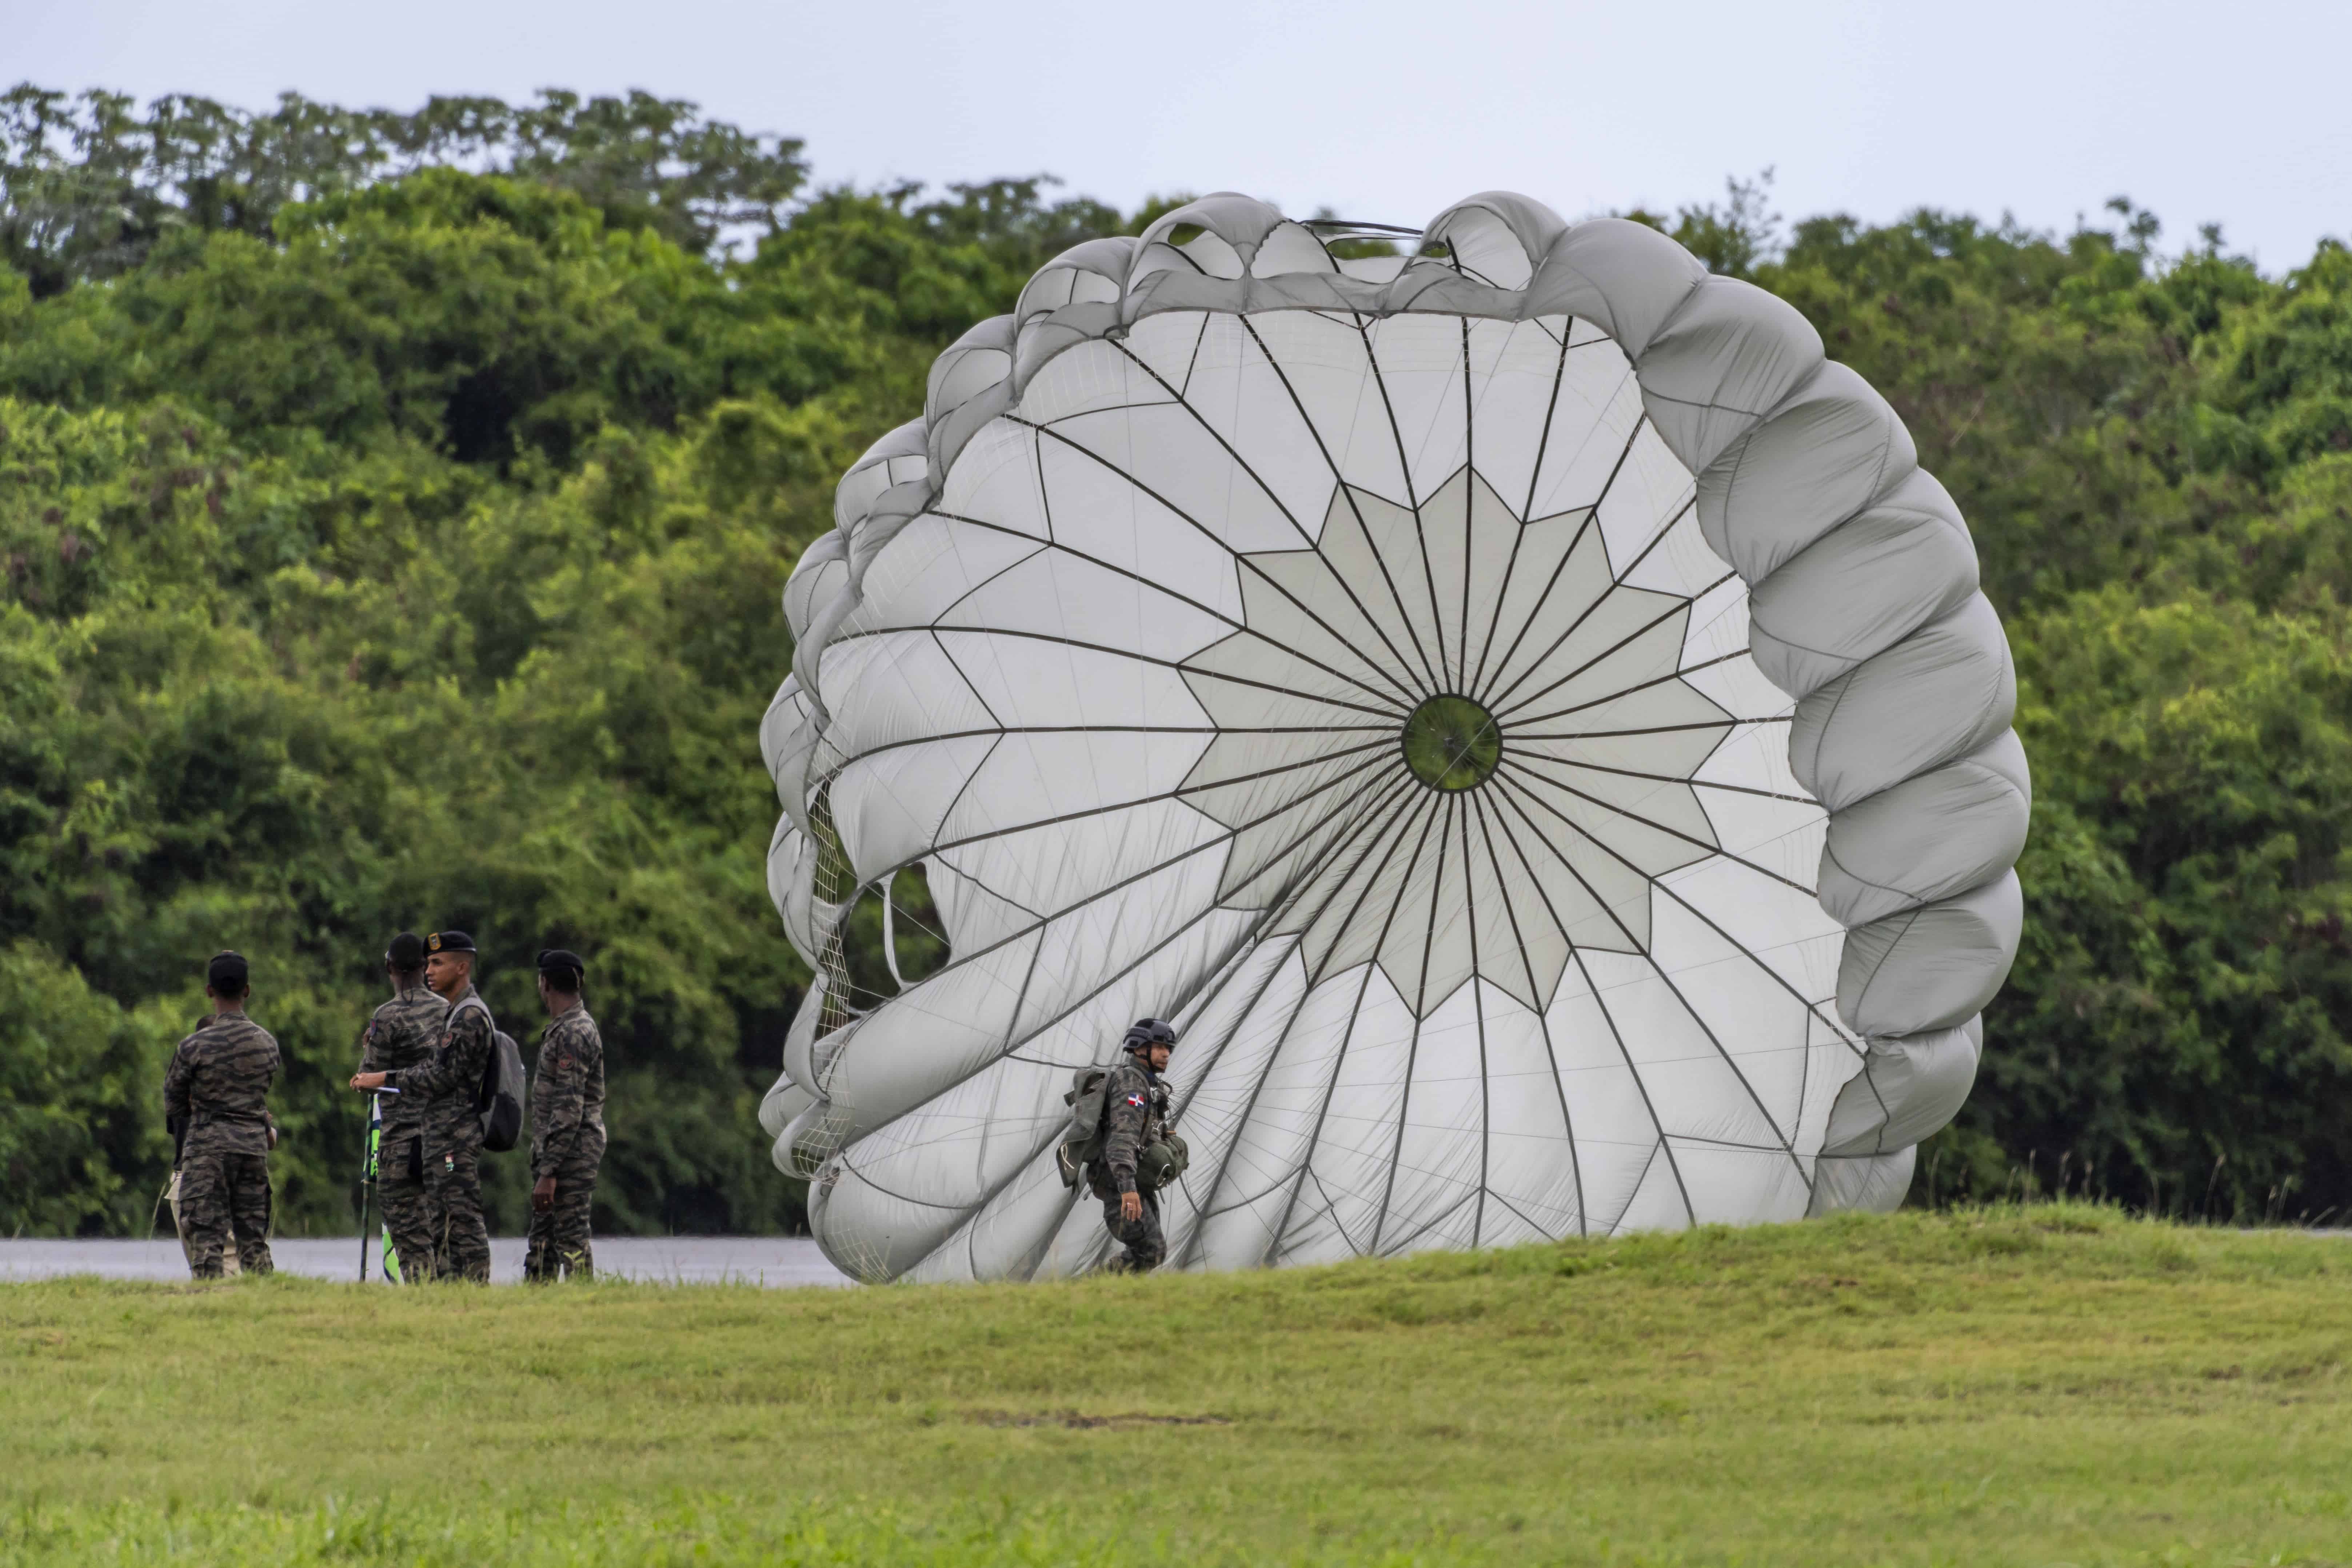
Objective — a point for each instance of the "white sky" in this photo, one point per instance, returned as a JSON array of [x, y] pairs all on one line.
[[1384, 109]]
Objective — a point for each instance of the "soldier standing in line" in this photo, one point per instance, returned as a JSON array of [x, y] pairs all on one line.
[[215, 1100], [567, 1125], [171, 1194], [402, 1034], [1135, 1116], [450, 1086]]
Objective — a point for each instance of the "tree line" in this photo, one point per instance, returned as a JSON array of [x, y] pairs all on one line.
[[394, 510]]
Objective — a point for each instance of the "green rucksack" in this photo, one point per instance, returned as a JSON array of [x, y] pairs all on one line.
[[1082, 1139], [1160, 1164]]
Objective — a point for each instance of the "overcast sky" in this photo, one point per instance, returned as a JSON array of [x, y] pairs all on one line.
[[1384, 109]]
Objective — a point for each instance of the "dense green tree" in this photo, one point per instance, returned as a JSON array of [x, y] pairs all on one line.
[[90, 185], [2175, 1027]]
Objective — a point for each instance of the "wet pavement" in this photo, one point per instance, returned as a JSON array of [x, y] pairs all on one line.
[[775, 1261]]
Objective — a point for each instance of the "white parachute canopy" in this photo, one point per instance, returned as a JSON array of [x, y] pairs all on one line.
[[1520, 710]]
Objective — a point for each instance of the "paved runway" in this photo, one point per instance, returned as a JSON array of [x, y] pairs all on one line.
[[775, 1261]]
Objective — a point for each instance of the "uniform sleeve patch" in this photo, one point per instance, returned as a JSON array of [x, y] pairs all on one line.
[[1135, 1100]]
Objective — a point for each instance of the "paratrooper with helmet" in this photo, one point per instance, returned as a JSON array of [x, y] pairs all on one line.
[[1138, 1154]]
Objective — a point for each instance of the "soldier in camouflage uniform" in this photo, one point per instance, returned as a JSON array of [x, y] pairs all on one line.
[[215, 1102], [448, 1087], [172, 1195], [567, 1125], [404, 1034], [1135, 1112]]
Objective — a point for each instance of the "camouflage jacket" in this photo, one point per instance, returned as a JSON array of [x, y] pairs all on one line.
[[448, 1087], [1133, 1119], [216, 1090], [402, 1036], [567, 1091]]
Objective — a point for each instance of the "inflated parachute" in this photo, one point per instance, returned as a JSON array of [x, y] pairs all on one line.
[[1520, 710]]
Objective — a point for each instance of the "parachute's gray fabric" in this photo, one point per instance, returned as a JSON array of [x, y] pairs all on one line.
[[1118, 642]]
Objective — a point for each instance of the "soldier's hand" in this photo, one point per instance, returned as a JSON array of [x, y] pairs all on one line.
[[367, 1081], [1130, 1207], [542, 1196]]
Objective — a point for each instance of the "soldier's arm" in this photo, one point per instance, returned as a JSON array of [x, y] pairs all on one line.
[[1124, 1119], [458, 1061], [563, 1062], [176, 1079]]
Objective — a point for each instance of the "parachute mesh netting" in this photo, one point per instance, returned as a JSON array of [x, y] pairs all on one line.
[[1519, 710]]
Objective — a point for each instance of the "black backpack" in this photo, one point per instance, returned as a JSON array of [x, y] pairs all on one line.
[[498, 1099]]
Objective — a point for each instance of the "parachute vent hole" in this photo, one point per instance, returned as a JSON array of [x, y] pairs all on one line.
[[1452, 744], [1184, 234]]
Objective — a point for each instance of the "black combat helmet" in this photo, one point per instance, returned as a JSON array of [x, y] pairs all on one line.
[[1145, 1032]]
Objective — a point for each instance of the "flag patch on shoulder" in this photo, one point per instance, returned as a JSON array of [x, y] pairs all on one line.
[[1135, 1100]]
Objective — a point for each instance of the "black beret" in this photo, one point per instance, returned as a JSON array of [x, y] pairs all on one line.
[[226, 971], [448, 941], [406, 952], [555, 961]]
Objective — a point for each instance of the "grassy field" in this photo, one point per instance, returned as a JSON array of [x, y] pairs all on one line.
[[2049, 1384]]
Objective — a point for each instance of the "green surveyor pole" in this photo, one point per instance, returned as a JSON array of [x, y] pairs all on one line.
[[374, 1161]]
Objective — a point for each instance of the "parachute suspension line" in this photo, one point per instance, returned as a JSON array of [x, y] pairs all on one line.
[[835, 886], [1478, 1008], [1398, 808], [1592, 515], [1345, 491], [1616, 1034], [1543, 1020], [1785, 1142], [1412, 500], [836, 881], [1527, 513], [1363, 986], [1243, 558], [1412, 1052], [1469, 533]]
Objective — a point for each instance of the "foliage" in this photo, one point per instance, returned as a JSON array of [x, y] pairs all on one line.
[[2054, 1384], [2176, 1021], [1733, 239], [393, 507], [88, 186]]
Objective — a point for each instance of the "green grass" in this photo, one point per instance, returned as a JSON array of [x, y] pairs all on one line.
[[2048, 1384]]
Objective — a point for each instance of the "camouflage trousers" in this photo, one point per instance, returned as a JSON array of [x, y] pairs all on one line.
[[222, 1195], [452, 1185], [559, 1237], [1145, 1246], [408, 1211]]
